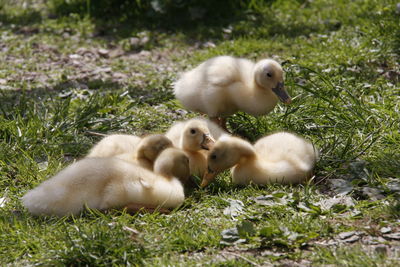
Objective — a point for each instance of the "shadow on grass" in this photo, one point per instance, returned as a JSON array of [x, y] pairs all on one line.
[[149, 95], [23, 18], [194, 20]]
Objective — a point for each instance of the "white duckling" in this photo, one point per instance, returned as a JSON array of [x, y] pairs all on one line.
[[147, 150], [104, 183], [194, 136], [224, 85], [113, 145], [278, 158]]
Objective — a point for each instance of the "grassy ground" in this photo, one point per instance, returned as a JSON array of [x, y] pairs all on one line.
[[64, 77]]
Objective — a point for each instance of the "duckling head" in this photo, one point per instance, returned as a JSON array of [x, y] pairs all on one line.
[[197, 136], [269, 74], [173, 162], [226, 153], [151, 146]]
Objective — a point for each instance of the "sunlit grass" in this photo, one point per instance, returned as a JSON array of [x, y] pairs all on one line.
[[341, 63]]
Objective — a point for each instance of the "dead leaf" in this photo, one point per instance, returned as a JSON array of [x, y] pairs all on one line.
[[372, 193], [327, 204], [345, 235], [341, 186], [385, 230], [395, 236], [231, 236], [235, 208]]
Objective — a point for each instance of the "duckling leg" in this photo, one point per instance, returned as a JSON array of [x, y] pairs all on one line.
[[134, 208]]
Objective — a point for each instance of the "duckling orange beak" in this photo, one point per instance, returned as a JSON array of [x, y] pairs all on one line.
[[280, 91], [208, 142], [208, 177]]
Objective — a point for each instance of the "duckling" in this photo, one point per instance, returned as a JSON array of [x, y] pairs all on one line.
[[113, 145], [105, 183], [147, 150], [224, 85], [194, 136], [281, 158]]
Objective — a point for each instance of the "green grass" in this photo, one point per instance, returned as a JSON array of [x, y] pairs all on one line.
[[341, 63]]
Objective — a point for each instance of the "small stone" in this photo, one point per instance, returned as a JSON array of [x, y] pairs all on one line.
[[75, 56], [345, 235], [352, 239], [119, 75], [209, 45], [134, 42], [76, 63], [144, 40], [116, 53], [386, 230], [102, 70], [103, 52], [145, 53]]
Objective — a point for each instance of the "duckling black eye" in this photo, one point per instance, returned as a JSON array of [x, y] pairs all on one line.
[[213, 156], [269, 74], [192, 131]]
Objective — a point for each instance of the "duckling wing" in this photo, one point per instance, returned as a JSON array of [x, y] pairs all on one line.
[[146, 183], [287, 147], [208, 88], [68, 191], [222, 71]]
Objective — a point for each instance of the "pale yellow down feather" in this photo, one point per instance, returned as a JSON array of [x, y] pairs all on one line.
[[104, 183], [278, 158], [224, 85], [195, 137]]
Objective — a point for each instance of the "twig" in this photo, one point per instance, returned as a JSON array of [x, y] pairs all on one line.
[[96, 134], [243, 258]]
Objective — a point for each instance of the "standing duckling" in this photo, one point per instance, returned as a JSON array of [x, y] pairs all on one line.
[[278, 158], [224, 85], [194, 137], [105, 183]]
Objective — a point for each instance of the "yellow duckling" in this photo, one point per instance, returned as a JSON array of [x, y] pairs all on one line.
[[113, 145], [194, 137], [224, 85], [147, 150], [105, 183], [278, 158]]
